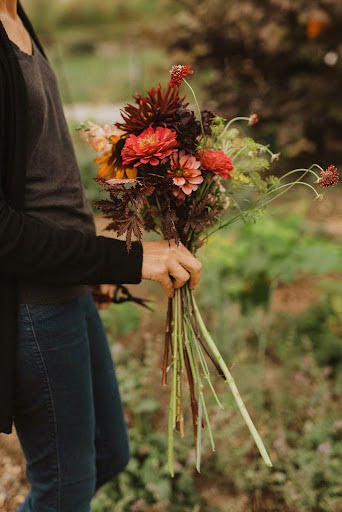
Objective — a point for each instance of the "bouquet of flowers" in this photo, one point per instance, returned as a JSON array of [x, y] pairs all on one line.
[[181, 173]]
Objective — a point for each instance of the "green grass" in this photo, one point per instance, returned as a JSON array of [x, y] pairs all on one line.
[[132, 16], [109, 79]]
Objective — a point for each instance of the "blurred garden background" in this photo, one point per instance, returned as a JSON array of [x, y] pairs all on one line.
[[270, 290]]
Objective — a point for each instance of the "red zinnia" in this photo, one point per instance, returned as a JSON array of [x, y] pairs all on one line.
[[151, 146], [329, 177], [217, 161], [178, 73]]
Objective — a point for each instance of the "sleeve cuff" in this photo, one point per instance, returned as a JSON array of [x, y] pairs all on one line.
[[122, 266]]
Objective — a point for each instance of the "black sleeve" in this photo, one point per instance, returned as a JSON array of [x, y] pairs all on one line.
[[32, 248]]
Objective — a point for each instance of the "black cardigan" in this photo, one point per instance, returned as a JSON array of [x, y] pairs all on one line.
[[33, 248]]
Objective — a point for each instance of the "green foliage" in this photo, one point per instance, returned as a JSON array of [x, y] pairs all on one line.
[[262, 255], [321, 324]]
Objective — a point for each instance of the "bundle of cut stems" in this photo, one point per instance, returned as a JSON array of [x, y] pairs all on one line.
[[189, 348]]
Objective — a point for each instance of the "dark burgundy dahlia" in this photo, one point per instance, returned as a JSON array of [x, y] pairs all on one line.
[[187, 128], [207, 120], [158, 108]]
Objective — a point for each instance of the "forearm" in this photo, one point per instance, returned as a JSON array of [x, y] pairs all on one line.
[[32, 248]]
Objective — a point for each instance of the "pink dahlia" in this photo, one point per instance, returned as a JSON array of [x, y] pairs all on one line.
[[151, 146], [216, 161], [185, 173]]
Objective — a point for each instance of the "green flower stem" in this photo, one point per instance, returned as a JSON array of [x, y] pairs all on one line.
[[198, 107], [221, 226], [316, 165], [207, 377], [206, 185], [200, 408], [230, 123], [305, 171], [286, 186], [179, 333], [196, 344], [265, 148], [256, 207], [174, 361], [179, 349], [204, 407], [199, 436], [170, 443], [206, 415], [204, 365], [207, 374], [179, 400], [240, 150], [232, 385]]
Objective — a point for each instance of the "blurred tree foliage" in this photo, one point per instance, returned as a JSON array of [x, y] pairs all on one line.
[[278, 58]]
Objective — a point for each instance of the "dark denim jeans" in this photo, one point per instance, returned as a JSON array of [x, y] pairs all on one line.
[[68, 409]]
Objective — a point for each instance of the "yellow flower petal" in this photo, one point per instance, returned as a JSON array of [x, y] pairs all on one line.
[[120, 174], [104, 168], [131, 172], [114, 138]]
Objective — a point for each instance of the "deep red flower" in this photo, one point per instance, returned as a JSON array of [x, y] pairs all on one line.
[[329, 177], [253, 119], [149, 147], [157, 108], [178, 73], [216, 161]]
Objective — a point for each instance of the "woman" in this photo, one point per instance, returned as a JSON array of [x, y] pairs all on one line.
[[57, 378]]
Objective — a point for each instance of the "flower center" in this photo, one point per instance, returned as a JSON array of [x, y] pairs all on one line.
[[150, 139], [179, 172]]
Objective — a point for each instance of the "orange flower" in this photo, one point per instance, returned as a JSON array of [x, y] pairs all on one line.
[[111, 165]]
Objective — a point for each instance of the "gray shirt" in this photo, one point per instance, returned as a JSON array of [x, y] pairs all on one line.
[[54, 192]]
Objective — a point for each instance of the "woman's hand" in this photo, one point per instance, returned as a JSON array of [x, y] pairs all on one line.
[[163, 260]]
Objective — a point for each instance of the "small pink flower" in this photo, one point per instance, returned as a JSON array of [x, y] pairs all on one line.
[[150, 147], [253, 119], [99, 137], [185, 173]]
